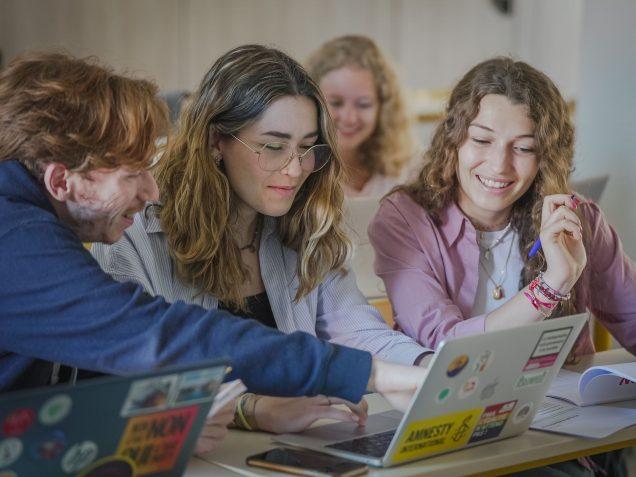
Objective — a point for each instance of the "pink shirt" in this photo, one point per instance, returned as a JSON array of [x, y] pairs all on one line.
[[430, 271]]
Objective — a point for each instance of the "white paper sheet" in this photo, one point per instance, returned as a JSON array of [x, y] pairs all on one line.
[[555, 415]]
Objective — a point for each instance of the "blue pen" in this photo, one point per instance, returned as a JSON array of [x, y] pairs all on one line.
[[535, 248], [537, 243]]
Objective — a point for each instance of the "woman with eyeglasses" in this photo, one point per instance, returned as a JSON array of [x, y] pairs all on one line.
[[249, 220], [365, 102]]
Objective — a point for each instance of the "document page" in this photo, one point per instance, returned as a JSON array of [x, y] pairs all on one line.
[[555, 415]]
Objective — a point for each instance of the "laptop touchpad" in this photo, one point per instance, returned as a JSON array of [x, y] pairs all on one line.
[[380, 422]]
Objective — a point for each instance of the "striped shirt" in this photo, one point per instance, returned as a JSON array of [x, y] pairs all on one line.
[[335, 311]]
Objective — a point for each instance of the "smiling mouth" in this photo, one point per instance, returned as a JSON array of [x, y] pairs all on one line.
[[494, 184]]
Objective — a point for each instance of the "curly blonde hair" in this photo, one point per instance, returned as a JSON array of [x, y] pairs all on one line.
[[198, 204], [391, 146], [437, 184]]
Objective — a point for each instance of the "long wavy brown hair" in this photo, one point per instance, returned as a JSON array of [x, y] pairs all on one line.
[[198, 204], [437, 184], [57, 108], [391, 145]]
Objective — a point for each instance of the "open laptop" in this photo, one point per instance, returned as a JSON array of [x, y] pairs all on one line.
[[479, 389], [146, 424], [359, 211]]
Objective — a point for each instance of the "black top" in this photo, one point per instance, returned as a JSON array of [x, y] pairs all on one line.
[[258, 308]]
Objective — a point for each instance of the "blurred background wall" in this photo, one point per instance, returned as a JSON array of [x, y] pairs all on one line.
[[586, 46]]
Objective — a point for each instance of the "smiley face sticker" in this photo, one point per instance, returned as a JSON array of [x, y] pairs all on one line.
[[457, 365]]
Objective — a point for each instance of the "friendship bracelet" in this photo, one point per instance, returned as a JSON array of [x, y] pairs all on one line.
[[550, 292], [242, 422], [537, 306]]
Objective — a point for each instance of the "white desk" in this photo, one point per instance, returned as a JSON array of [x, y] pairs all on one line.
[[530, 449]]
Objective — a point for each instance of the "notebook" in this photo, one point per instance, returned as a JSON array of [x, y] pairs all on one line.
[[139, 425], [479, 389], [596, 385]]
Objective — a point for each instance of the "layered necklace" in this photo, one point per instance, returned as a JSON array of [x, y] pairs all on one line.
[[498, 292]]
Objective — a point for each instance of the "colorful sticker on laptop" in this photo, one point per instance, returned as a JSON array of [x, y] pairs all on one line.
[[439, 434], [457, 365], [531, 379], [443, 395], [483, 361], [79, 456], [489, 390], [523, 412], [18, 421], [492, 421], [48, 446], [154, 442], [149, 395], [10, 451], [8, 473], [111, 466], [55, 409], [198, 385], [548, 348], [468, 388]]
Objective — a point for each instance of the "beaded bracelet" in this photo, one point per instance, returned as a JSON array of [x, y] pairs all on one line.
[[548, 291]]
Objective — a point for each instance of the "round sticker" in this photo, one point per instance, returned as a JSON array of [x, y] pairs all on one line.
[[79, 456], [523, 412], [10, 451], [49, 446], [456, 365], [18, 421], [483, 361], [113, 466], [55, 409], [468, 387], [443, 395]]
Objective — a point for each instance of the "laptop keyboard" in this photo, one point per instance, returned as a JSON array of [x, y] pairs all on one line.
[[374, 445]]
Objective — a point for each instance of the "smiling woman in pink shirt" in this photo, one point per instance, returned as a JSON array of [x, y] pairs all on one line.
[[452, 246]]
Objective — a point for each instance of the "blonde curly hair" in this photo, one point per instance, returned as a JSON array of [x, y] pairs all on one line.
[[391, 145]]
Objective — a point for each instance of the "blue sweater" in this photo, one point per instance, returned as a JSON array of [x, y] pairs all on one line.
[[56, 304]]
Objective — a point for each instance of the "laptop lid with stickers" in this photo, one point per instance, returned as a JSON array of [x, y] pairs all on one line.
[[141, 425], [479, 389]]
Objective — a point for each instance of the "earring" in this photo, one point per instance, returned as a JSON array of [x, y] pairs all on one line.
[[217, 159]]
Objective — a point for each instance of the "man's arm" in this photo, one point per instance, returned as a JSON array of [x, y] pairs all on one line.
[[59, 305]]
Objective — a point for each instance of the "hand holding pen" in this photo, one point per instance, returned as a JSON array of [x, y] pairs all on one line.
[[561, 239]]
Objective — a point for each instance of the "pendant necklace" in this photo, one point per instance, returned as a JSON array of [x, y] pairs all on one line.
[[498, 292]]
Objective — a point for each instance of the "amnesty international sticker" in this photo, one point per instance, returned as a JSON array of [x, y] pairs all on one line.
[[439, 434]]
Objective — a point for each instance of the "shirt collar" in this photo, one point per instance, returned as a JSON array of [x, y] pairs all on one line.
[[453, 222]]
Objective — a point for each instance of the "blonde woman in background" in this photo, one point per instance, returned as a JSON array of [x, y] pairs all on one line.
[[365, 102], [250, 221]]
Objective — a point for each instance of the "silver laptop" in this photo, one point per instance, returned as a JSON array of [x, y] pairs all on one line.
[[479, 389], [359, 211]]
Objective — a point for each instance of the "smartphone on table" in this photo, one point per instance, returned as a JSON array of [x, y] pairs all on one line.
[[305, 462]]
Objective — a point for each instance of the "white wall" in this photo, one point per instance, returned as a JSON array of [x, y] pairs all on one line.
[[586, 46], [606, 113]]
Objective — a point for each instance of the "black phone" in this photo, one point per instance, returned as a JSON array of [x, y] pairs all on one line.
[[304, 462]]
